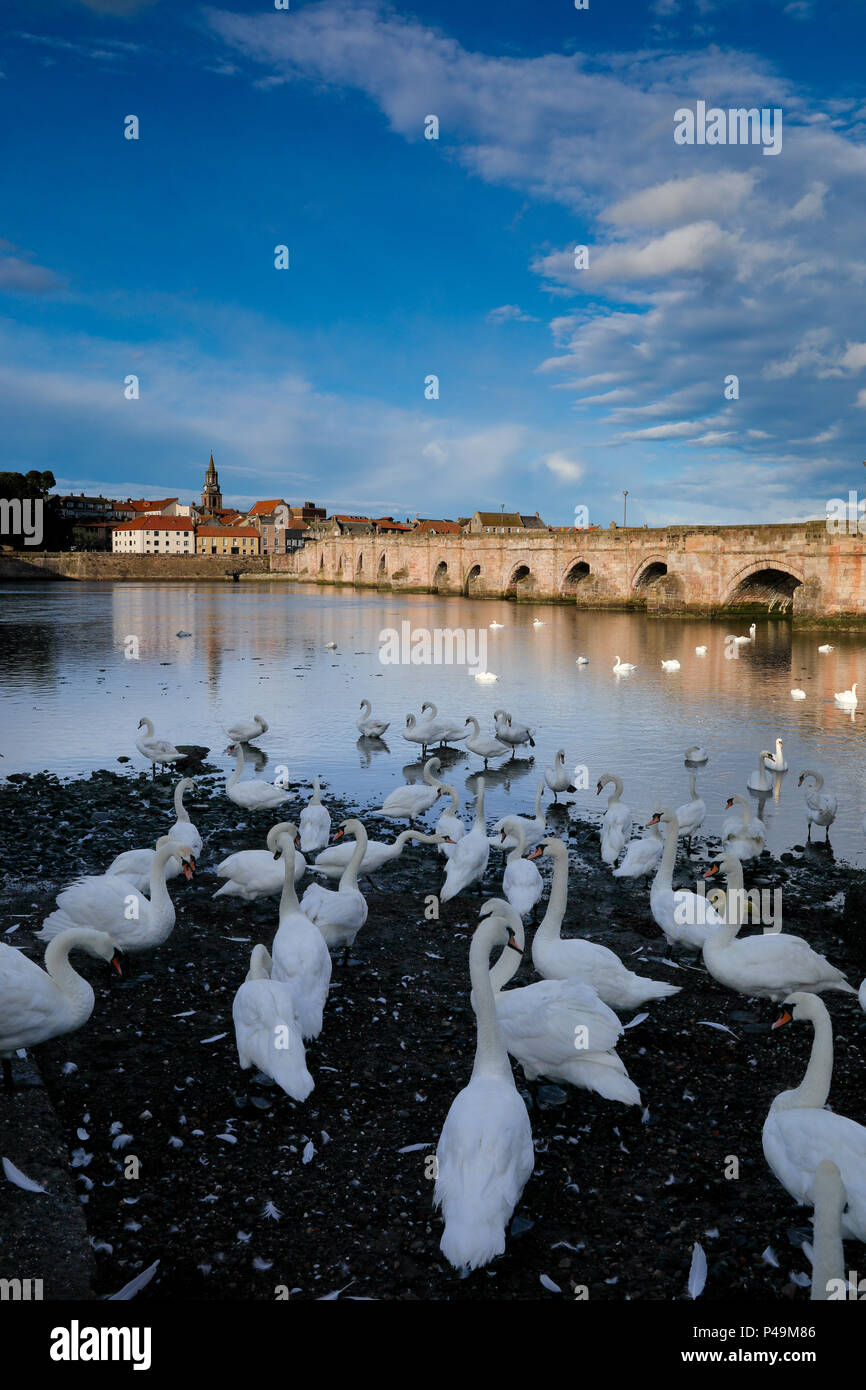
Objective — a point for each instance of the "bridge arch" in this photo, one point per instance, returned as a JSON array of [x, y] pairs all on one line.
[[383, 565], [522, 582], [575, 573], [440, 576], [650, 569], [472, 582], [761, 583]]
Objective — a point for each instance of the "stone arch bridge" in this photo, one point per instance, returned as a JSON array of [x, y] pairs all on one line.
[[802, 570]]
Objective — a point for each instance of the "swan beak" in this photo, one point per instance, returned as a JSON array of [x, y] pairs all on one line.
[[502, 838], [188, 867], [118, 963], [800, 781], [655, 820], [438, 793], [710, 872], [512, 942], [784, 1017], [536, 853], [729, 802], [337, 836], [598, 789], [277, 853]]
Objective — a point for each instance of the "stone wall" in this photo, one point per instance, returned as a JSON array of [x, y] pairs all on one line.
[[99, 565]]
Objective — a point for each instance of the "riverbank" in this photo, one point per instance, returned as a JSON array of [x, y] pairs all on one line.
[[619, 1195]]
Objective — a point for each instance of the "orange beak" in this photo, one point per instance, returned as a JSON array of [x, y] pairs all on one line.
[[536, 853], [710, 872], [784, 1017]]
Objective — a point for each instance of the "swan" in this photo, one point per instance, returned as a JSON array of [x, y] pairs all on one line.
[[558, 1028], [690, 816], [112, 904], [245, 730], [495, 624], [744, 836], [616, 824], [820, 806], [797, 694], [511, 733], [776, 762], [744, 641], [826, 649], [368, 727], [759, 781], [136, 864], [799, 1133], [267, 1032], [315, 823], [330, 646], [829, 1198], [340, 915], [847, 698], [556, 777], [449, 825], [37, 1004], [252, 873], [452, 731], [768, 966], [485, 1153], [522, 884], [670, 665], [621, 668], [253, 796], [426, 733], [183, 829], [700, 651], [684, 917], [595, 965], [410, 801], [537, 622], [582, 661], [484, 745], [486, 677], [467, 861], [158, 750], [332, 862], [696, 754], [300, 952], [641, 855], [534, 827]]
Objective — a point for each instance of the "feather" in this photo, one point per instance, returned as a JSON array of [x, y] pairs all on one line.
[[20, 1179], [131, 1289], [698, 1271]]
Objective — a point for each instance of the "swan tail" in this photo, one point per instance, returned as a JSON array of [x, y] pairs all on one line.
[[655, 989], [228, 890], [468, 1241], [611, 1082], [289, 1070], [842, 986]]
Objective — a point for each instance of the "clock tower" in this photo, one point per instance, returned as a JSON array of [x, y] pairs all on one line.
[[211, 497]]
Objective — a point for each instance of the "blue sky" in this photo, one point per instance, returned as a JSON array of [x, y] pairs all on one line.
[[410, 257]]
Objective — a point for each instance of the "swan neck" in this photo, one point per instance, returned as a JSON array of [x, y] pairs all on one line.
[[551, 923], [665, 872], [350, 873], [479, 806], [180, 809], [815, 1086], [289, 898], [490, 1055], [74, 988]]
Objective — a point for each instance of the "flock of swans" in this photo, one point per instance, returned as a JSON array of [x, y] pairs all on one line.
[[564, 1026]]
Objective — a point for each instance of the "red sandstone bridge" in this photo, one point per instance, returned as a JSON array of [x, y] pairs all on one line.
[[800, 569]]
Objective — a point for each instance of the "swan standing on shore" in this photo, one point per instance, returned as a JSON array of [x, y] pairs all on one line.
[[449, 825], [37, 1004], [821, 806], [484, 745], [534, 827], [642, 855], [799, 1133], [340, 915], [368, 727], [158, 750], [253, 796], [112, 904], [768, 966], [183, 830], [557, 1028], [333, 860], [745, 835], [315, 822], [252, 873], [522, 884], [300, 952], [557, 777], [776, 762], [558, 959], [616, 823], [467, 861], [413, 799], [267, 1032], [485, 1153], [136, 864], [245, 730], [683, 916], [690, 816]]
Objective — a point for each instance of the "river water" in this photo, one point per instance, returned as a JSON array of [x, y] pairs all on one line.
[[72, 699]]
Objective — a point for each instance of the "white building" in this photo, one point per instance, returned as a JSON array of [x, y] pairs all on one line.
[[154, 535]]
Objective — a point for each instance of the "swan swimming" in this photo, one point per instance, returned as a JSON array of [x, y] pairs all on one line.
[[621, 668], [847, 698], [245, 730], [776, 762]]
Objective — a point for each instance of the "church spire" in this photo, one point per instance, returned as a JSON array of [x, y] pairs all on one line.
[[211, 497]]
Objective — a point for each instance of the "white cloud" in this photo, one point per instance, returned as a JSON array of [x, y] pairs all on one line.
[[854, 357], [563, 467], [683, 200], [509, 313]]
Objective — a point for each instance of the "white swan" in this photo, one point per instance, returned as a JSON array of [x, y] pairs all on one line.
[[452, 731], [332, 861], [252, 873], [828, 1198], [847, 698], [484, 745], [485, 677], [759, 781], [621, 668], [485, 1153], [642, 855], [300, 952], [368, 727], [427, 733], [253, 796], [776, 761], [558, 1028], [37, 1004], [183, 829], [267, 1032], [744, 836], [340, 915], [826, 648], [511, 733], [467, 861], [412, 800], [136, 864], [157, 750], [690, 816], [534, 827], [449, 825], [556, 777], [670, 665], [522, 884], [683, 916], [315, 822], [495, 624], [797, 694], [112, 904], [799, 1133], [821, 806], [595, 965], [245, 730], [700, 651], [696, 754], [582, 661], [768, 966], [537, 622], [616, 823], [744, 641]]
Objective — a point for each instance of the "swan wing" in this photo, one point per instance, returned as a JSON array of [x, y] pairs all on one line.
[[29, 1001], [268, 1035], [546, 1020]]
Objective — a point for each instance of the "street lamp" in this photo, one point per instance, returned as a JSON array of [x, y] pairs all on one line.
[[624, 505]]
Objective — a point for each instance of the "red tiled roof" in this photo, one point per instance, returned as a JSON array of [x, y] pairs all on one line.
[[142, 504], [442, 528], [226, 531], [385, 523], [265, 508], [155, 523]]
